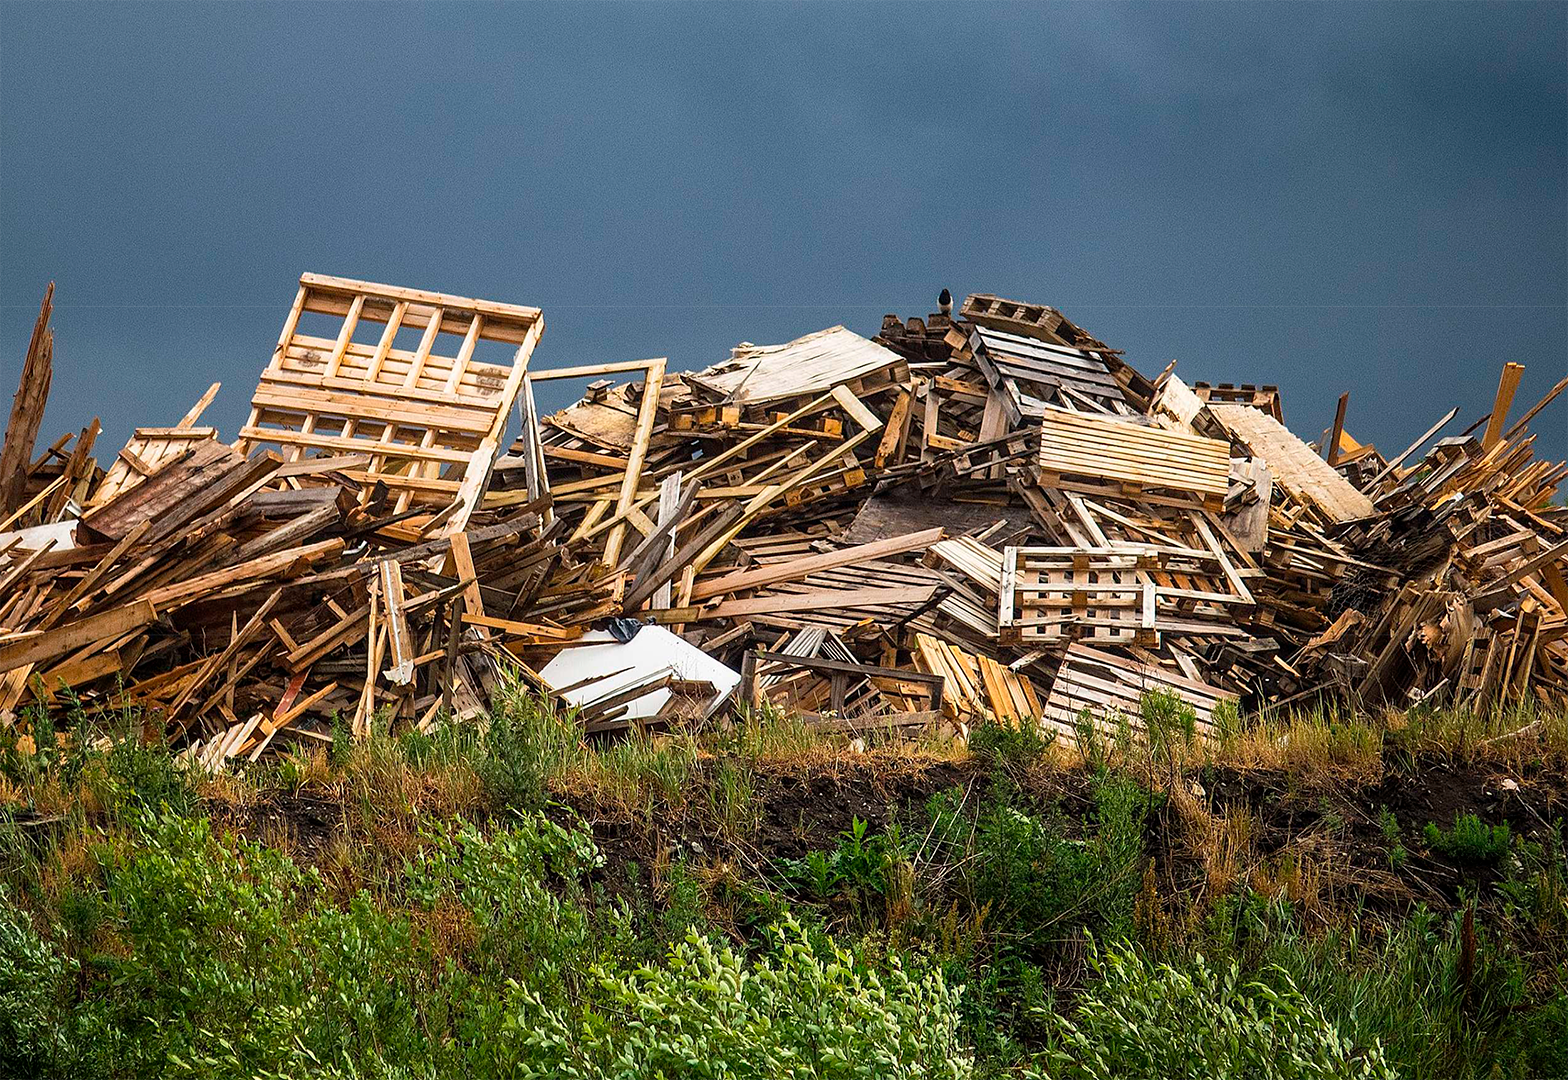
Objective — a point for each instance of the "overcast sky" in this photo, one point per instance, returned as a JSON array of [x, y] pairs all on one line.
[[1324, 196]]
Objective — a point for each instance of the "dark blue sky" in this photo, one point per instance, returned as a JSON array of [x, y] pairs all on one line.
[[1324, 196]]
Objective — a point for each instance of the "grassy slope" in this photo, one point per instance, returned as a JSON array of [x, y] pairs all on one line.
[[481, 903]]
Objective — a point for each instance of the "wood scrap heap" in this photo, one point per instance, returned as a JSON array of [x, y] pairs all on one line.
[[987, 515]]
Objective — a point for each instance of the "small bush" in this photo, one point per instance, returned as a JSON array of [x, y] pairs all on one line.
[[1171, 723], [32, 981], [860, 869], [1140, 1019], [1395, 837], [524, 745], [1040, 883], [706, 1011], [1470, 840], [1013, 749]]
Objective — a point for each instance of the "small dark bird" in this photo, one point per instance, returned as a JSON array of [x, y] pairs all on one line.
[[944, 302]]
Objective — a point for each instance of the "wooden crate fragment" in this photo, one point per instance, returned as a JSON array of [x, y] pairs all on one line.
[[144, 454]]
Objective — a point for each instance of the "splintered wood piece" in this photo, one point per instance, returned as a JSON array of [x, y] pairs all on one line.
[[794, 570], [190, 418], [812, 601], [672, 510], [27, 409], [647, 412], [1331, 444], [401, 673]]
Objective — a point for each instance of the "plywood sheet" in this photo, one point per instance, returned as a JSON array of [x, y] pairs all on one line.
[[1294, 466]]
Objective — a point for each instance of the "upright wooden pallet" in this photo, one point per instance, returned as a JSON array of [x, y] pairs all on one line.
[[1079, 452], [430, 421]]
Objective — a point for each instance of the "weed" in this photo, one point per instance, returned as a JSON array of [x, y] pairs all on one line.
[[1011, 749], [1389, 825], [524, 745], [1470, 840], [862, 871]]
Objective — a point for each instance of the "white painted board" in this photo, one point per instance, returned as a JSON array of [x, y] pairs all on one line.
[[653, 652]]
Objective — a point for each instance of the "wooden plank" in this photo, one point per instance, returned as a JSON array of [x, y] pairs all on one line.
[[647, 412], [864, 417], [1507, 384], [1331, 444], [401, 673], [463, 565], [813, 601], [41, 648], [795, 569]]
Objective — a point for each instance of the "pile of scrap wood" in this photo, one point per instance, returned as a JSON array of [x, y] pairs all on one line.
[[987, 515]]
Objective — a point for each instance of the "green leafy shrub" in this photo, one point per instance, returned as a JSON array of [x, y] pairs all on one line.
[[1169, 721], [140, 773], [32, 984], [1389, 824], [524, 744], [1141, 1019], [860, 869], [522, 889], [1041, 883], [1470, 840], [708, 1012]]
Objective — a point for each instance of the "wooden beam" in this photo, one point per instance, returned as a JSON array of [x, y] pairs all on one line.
[[647, 413], [1331, 444], [795, 569], [825, 600]]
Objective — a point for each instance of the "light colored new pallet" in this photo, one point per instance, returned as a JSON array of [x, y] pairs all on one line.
[[1050, 595], [976, 685]]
